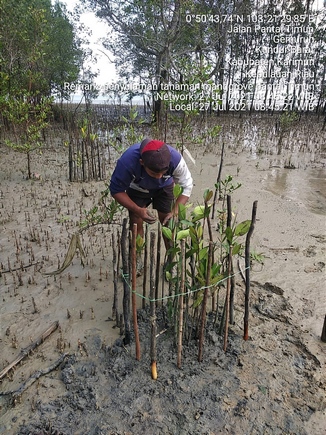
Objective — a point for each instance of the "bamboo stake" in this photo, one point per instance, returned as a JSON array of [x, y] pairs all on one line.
[[192, 315], [152, 306], [126, 281], [163, 285], [247, 271], [227, 300], [133, 288], [229, 211], [145, 268], [230, 260], [232, 291], [158, 260], [115, 280], [70, 161], [217, 181], [204, 303], [181, 307], [28, 349]]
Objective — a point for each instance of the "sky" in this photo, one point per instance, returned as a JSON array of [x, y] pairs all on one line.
[[107, 72]]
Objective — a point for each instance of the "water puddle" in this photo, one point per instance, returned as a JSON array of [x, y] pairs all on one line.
[[305, 187]]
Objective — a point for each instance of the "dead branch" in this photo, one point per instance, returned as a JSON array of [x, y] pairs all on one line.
[[22, 267], [25, 352], [35, 376], [247, 271], [75, 244], [285, 248]]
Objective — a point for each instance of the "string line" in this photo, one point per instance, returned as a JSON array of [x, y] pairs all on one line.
[[125, 276]]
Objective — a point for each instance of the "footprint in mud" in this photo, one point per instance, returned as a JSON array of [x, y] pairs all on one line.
[[319, 237], [309, 307], [317, 267], [310, 251]]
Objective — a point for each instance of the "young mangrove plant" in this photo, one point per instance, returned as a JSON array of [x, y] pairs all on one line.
[[28, 115], [206, 272]]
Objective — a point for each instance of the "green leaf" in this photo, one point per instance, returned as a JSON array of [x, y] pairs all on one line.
[[199, 231], [208, 195], [242, 228], [216, 279], [229, 234], [186, 222], [193, 236], [182, 234], [203, 253], [182, 212], [168, 276], [198, 300], [173, 251], [191, 252], [167, 233], [236, 249], [198, 213], [177, 191], [188, 273], [170, 266], [140, 243], [215, 269], [201, 280]]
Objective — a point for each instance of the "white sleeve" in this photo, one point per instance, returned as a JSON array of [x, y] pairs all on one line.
[[182, 176]]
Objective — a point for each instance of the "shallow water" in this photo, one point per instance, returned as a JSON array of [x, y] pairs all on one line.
[[305, 187], [294, 164]]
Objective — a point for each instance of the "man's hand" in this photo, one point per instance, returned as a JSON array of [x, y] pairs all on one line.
[[127, 202], [146, 216], [175, 211], [167, 218]]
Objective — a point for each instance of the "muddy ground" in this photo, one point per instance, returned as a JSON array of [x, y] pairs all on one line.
[[88, 382]]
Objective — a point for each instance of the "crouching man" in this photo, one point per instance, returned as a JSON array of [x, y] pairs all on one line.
[[145, 174]]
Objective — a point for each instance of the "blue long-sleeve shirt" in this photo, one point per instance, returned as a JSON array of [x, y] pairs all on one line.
[[130, 173]]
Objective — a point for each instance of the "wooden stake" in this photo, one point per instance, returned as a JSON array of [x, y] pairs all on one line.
[[230, 267], [232, 293], [158, 260], [227, 300], [133, 288], [204, 303], [152, 306], [217, 189], [247, 271], [145, 268], [115, 280], [181, 308], [126, 281]]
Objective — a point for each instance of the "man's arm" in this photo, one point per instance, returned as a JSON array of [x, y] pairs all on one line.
[[182, 176], [124, 199]]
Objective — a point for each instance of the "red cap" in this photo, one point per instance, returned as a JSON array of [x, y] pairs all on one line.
[[155, 155]]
